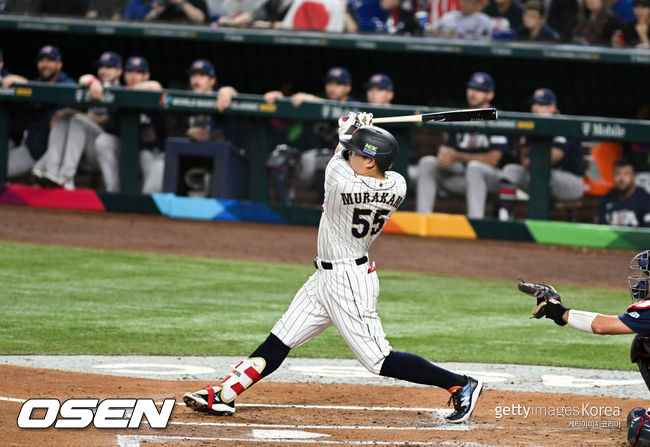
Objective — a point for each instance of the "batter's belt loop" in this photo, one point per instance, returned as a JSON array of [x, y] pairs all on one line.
[[329, 266]]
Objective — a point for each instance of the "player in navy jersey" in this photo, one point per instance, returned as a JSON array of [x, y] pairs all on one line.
[[625, 204]]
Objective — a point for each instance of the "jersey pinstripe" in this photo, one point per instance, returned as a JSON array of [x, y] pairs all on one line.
[[355, 209]]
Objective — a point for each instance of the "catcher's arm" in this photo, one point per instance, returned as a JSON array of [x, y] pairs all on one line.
[[549, 305]]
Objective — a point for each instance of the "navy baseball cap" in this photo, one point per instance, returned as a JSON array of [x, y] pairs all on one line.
[[202, 66], [645, 3], [381, 81], [543, 96], [338, 74], [137, 63], [481, 81], [50, 52], [2, 56], [110, 59]]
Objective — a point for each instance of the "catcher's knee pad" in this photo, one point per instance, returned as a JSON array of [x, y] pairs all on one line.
[[638, 428], [246, 373]]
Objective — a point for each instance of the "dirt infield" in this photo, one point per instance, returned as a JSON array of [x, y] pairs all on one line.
[[332, 414], [265, 413]]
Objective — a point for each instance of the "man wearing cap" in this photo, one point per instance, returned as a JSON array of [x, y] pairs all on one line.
[[567, 162], [36, 118], [73, 133], [379, 90], [338, 84], [152, 157], [207, 126], [468, 162]]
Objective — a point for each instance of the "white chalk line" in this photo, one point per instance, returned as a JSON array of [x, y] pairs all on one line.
[[134, 441], [447, 427], [316, 407]]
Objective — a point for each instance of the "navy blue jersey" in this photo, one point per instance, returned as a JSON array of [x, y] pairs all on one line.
[[637, 318], [38, 127], [633, 211], [480, 143], [573, 160]]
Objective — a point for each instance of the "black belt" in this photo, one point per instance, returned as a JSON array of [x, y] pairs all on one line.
[[328, 265]]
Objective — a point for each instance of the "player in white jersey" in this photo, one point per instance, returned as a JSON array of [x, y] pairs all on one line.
[[360, 196]]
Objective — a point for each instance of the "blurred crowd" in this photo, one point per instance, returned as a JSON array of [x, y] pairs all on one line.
[[617, 23]]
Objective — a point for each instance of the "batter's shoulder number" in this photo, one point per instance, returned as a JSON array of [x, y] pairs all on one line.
[[362, 222]]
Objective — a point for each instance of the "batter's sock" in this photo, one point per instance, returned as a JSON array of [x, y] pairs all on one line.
[[411, 367], [273, 351]]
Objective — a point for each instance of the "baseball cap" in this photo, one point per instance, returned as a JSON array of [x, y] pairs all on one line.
[[481, 81], [645, 3], [50, 52], [2, 56], [381, 81], [110, 59], [202, 66], [137, 63], [543, 96], [338, 74]]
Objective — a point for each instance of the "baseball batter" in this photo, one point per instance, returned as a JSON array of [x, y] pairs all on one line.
[[361, 194]]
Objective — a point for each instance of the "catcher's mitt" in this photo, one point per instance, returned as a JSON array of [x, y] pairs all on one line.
[[549, 302]]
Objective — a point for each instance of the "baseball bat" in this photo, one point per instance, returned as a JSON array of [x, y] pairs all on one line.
[[453, 115]]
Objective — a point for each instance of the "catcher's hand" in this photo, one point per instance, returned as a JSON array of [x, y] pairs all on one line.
[[549, 302]]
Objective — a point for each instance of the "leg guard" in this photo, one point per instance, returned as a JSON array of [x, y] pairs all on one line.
[[246, 373]]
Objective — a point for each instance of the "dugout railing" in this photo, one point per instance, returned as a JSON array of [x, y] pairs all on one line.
[[254, 137]]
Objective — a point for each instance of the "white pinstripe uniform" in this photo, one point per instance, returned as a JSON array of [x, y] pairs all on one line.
[[345, 295]]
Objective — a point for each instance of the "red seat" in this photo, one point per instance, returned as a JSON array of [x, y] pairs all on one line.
[[604, 155]]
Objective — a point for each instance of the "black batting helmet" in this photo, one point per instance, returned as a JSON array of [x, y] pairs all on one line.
[[373, 142]]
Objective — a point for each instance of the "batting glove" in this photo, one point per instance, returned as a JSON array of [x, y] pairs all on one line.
[[348, 124]]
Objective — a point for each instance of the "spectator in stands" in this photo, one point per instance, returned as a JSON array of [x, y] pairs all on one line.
[[379, 90], [467, 23], [625, 204], [152, 160], [468, 162], [534, 29], [567, 162], [105, 9], [562, 17], [137, 9], [596, 24], [73, 133], [179, 11], [624, 9], [338, 84], [35, 119], [506, 16], [207, 126], [258, 13], [636, 33], [394, 16]]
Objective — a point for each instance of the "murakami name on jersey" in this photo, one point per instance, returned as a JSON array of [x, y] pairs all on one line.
[[366, 197], [79, 413]]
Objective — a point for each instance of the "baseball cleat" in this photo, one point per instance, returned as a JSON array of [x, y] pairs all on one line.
[[464, 401], [208, 400]]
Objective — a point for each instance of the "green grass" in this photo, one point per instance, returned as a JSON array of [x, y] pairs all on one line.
[[61, 300]]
